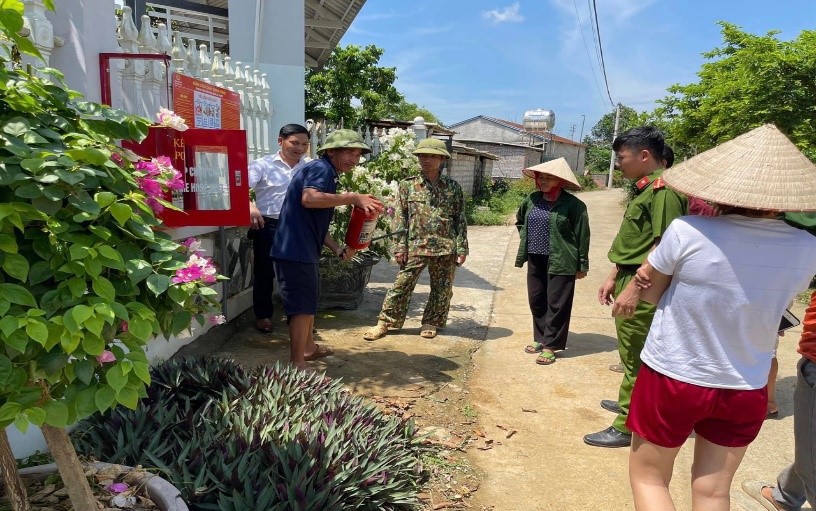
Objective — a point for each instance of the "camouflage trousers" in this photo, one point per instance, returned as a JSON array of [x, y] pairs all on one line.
[[441, 269]]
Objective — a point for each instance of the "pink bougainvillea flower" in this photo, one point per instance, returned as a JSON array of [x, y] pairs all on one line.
[[124, 326], [150, 186], [117, 159], [175, 182], [218, 319], [169, 119], [106, 357], [117, 487], [148, 166], [198, 269], [155, 205], [193, 246], [164, 161]]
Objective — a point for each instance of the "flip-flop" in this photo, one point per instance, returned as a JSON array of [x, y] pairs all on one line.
[[536, 347], [545, 358], [319, 352], [754, 490], [428, 331], [772, 415]]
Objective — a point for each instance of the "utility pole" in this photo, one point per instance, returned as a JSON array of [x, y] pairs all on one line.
[[572, 131], [614, 136], [580, 141]]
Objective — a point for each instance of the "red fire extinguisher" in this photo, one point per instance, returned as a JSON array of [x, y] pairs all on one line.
[[361, 225]]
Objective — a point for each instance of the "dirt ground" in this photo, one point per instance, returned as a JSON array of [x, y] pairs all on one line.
[[510, 432]]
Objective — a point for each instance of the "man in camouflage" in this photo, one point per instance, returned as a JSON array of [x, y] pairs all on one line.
[[432, 210]]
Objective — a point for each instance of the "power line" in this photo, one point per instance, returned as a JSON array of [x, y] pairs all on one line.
[[600, 46], [589, 57]]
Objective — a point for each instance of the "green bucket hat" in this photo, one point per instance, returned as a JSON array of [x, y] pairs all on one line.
[[344, 139], [432, 146]]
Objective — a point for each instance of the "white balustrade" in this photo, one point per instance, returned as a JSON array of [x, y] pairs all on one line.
[[41, 32], [139, 85], [148, 43]]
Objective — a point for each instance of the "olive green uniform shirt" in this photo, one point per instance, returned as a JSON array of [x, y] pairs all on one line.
[[434, 215], [569, 234], [646, 218]]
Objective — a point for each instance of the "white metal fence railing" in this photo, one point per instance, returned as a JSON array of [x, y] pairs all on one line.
[[138, 86]]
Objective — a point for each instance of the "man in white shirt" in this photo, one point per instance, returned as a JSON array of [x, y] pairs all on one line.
[[268, 178]]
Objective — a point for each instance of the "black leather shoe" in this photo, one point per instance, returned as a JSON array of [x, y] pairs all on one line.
[[610, 437], [264, 325], [610, 405]]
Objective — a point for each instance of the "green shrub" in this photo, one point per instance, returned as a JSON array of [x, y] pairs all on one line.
[[268, 438], [587, 183]]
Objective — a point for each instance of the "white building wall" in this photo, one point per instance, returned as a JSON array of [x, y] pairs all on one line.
[[88, 28], [280, 52]]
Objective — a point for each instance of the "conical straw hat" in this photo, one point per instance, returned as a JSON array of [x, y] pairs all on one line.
[[558, 168], [761, 169]]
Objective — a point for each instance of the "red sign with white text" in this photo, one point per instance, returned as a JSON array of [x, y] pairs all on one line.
[[204, 105]]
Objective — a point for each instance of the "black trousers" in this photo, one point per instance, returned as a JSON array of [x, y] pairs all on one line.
[[550, 298], [263, 269]]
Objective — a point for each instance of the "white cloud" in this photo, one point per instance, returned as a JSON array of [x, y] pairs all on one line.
[[509, 14]]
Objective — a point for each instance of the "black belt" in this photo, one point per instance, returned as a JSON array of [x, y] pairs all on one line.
[[627, 267], [270, 220]]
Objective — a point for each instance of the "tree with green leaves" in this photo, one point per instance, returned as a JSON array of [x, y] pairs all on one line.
[[599, 143], [87, 274], [748, 81], [353, 87]]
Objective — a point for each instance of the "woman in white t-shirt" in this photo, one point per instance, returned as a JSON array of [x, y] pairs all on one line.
[[721, 285]]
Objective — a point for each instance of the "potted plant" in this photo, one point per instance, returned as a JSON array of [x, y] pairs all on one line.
[[87, 276], [342, 283]]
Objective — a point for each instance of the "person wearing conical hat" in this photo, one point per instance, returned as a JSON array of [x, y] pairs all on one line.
[[553, 228], [639, 155], [431, 209], [303, 229], [721, 285]]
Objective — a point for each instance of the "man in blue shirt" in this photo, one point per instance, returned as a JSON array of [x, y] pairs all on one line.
[[303, 229]]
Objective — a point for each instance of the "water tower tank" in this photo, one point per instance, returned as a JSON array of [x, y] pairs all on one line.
[[539, 120]]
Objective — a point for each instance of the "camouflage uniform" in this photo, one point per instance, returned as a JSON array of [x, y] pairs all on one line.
[[434, 215]]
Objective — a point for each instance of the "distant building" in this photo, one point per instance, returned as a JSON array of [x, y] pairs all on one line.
[[468, 166], [516, 147]]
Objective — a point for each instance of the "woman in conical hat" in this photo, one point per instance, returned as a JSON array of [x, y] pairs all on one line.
[[554, 230], [721, 285]]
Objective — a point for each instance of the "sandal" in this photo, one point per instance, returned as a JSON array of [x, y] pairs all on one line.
[[545, 358], [536, 347], [428, 331], [319, 352], [376, 332]]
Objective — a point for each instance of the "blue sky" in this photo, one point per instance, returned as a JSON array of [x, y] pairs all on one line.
[[462, 58]]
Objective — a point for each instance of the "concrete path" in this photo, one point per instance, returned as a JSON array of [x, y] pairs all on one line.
[[474, 380], [546, 465]]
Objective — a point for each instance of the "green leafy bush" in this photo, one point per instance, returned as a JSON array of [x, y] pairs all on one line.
[[268, 438], [87, 275], [587, 183], [501, 200], [380, 177]]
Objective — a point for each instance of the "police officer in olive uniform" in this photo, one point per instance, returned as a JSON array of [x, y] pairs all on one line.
[[639, 156], [432, 209]]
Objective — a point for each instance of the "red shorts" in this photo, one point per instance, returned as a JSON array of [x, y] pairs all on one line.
[[665, 411]]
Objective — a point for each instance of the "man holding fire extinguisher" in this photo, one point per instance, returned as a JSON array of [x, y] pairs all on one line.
[[432, 211], [303, 229]]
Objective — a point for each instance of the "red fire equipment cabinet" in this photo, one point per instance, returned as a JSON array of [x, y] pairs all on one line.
[[213, 163]]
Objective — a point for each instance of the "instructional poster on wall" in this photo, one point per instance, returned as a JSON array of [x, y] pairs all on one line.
[[204, 105]]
